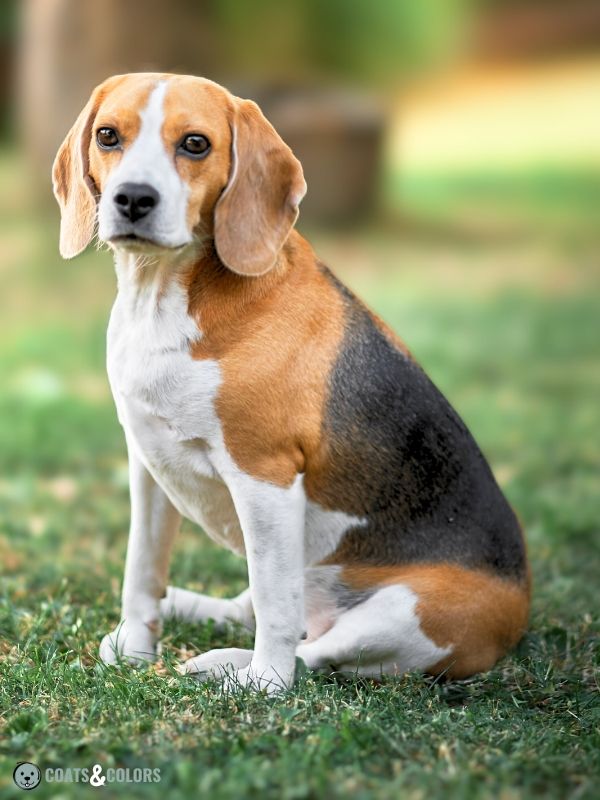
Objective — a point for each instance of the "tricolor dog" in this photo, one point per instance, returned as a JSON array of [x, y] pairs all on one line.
[[262, 400]]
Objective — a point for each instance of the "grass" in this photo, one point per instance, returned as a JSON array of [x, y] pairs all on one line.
[[510, 333], [502, 203]]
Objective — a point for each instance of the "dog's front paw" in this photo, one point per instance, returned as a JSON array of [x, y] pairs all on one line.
[[216, 664], [234, 668], [131, 641], [269, 680]]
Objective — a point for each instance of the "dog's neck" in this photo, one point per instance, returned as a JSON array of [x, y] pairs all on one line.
[[215, 293], [228, 304], [141, 273]]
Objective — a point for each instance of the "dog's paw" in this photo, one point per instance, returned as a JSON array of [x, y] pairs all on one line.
[[216, 664], [133, 642], [233, 667], [269, 680]]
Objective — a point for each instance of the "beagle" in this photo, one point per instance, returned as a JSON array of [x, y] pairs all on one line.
[[262, 400]]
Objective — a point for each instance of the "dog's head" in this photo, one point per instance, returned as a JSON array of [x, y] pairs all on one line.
[[160, 161]]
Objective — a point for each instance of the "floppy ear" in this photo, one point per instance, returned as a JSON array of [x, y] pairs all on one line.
[[259, 205], [73, 188]]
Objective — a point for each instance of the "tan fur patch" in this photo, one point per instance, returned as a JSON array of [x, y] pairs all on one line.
[[480, 615], [276, 338]]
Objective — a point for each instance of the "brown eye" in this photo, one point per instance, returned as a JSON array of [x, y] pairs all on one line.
[[107, 137], [195, 145]]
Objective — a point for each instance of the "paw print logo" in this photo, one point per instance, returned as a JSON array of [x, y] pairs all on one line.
[[27, 775]]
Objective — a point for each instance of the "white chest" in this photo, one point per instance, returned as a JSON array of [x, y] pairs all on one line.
[[165, 402]]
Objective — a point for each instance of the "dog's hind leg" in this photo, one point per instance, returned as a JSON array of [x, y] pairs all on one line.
[[195, 607], [436, 618], [379, 635]]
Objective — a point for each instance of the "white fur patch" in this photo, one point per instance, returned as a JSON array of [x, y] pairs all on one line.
[[324, 530], [381, 635], [165, 399]]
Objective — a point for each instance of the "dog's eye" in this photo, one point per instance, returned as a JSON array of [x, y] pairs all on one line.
[[195, 145], [107, 138]]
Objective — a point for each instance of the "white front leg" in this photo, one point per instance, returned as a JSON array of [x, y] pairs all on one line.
[[154, 525], [272, 520]]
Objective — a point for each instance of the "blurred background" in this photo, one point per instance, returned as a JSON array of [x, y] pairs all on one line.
[[452, 154]]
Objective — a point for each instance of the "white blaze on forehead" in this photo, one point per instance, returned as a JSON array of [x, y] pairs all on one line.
[[148, 161], [146, 158]]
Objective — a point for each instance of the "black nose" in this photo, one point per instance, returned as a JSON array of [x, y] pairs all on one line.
[[135, 200]]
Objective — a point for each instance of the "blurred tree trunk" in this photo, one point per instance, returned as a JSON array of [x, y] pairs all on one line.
[[69, 46]]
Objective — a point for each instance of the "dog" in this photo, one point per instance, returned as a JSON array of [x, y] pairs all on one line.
[[262, 400]]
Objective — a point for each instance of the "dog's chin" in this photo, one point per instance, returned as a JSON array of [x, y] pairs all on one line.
[[142, 245]]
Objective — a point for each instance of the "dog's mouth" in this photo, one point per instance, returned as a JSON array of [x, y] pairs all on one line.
[[135, 243]]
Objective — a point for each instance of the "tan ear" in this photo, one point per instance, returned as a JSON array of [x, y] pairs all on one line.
[[73, 188], [259, 205]]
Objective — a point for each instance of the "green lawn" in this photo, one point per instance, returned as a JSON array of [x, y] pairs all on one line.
[[510, 332]]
